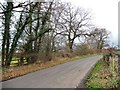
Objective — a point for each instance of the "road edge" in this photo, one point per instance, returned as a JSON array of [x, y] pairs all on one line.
[[82, 83]]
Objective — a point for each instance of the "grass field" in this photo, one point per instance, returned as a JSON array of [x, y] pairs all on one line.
[[14, 61]]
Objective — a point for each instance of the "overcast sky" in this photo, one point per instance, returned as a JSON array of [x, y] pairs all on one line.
[[105, 14]]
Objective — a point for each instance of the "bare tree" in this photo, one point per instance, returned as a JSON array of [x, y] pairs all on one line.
[[99, 39], [75, 22]]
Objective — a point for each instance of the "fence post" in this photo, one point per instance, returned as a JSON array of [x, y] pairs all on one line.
[[119, 63]]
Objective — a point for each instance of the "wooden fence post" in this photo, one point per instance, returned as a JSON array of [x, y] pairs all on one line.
[[119, 63]]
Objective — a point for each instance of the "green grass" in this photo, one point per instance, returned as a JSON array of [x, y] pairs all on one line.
[[101, 77], [91, 83], [77, 58], [14, 61], [118, 52]]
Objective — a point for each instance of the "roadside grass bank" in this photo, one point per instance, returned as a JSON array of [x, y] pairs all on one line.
[[12, 72], [118, 52], [102, 77]]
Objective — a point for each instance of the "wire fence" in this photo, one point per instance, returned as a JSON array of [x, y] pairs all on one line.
[[113, 61]]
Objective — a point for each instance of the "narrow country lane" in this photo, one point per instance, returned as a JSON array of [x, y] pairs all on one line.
[[67, 75]]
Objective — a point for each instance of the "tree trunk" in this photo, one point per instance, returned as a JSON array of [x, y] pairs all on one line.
[[15, 40], [3, 50], [119, 64], [71, 46], [6, 35], [70, 43], [37, 43]]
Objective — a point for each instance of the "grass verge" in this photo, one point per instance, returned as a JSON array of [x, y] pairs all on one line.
[[9, 73], [102, 77]]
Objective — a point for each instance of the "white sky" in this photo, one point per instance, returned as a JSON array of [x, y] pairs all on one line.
[[105, 14]]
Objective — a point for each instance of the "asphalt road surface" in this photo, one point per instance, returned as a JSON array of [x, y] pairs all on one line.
[[67, 75]]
